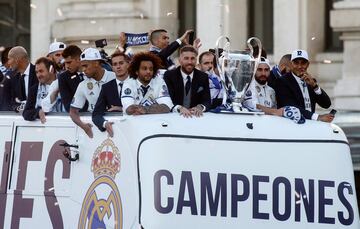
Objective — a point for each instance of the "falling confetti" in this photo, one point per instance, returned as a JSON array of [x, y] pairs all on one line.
[[93, 22], [59, 12], [327, 61], [169, 13], [32, 5], [51, 189], [227, 9], [142, 16], [313, 38], [85, 42]]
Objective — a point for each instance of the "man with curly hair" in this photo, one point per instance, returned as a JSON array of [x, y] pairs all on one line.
[[144, 93]]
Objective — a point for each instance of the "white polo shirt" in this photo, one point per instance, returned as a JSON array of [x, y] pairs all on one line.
[[89, 90], [132, 93]]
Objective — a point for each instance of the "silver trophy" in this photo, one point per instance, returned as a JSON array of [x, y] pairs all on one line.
[[237, 69]]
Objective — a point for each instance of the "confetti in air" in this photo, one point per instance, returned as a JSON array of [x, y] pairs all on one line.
[[327, 61], [85, 42], [59, 12], [227, 9], [169, 13], [32, 5], [93, 22], [142, 16], [313, 38]]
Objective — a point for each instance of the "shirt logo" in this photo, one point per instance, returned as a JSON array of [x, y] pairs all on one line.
[[90, 85], [127, 91]]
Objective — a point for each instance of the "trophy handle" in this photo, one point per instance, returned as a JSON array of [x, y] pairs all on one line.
[[219, 65], [217, 55], [257, 59]]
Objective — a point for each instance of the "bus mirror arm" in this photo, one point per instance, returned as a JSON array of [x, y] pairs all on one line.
[[68, 152]]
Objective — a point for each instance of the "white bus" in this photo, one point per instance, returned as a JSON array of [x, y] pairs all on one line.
[[164, 171]]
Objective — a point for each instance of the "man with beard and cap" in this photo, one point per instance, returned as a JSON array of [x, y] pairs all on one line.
[[259, 92], [144, 92], [55, 55], [188, 87], [89, 89], [24, 78], [299, 88]]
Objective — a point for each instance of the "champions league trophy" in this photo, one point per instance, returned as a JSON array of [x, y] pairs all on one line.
[[237, 69]]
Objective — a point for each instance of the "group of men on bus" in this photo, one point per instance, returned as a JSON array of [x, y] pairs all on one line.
[[72, 80]]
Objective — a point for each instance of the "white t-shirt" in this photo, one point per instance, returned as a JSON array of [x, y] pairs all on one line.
[[132, 93], [89, 90]]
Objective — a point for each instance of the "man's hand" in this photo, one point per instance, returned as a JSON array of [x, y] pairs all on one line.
[[122, 41], [197, 111], [109, 129], [185, 37], [326, 118], [197, 44], [115, 108], [185, 112], [135, 110], [42, 116], [87, 127], [309, 80]]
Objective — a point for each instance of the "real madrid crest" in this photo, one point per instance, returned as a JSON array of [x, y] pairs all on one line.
[[90, 85], [102, 207]]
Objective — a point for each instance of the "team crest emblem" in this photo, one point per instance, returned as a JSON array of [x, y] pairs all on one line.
[[258, 89], [101, 207], [127, 91], [90, 85]]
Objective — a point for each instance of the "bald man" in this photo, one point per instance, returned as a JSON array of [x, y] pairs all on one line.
[[24, 77]]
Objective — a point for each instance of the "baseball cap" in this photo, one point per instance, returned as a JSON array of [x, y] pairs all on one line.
[[56, 46], [263, 60], [299, 54], [90, 54]]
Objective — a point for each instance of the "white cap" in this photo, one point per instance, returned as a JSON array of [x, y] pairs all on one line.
[[56, 46], [299, 54], [90, 54], [263, 60]]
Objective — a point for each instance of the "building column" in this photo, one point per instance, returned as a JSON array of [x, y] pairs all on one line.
[[347, 89], [40, 29], [298, 24], [222, 17]]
